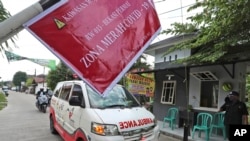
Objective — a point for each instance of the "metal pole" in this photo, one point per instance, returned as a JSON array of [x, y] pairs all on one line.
[[186, 124], [43, 75], [14, 24]]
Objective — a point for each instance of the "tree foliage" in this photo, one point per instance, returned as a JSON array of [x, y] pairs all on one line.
[[248, 86], [141, 64], [19, 77], [248, 93], [4, 14], [61, 73], [29, 81], [221, 26]]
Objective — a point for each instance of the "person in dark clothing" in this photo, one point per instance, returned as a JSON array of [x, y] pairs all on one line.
[[236, 112], [225, 106], [39, 93]]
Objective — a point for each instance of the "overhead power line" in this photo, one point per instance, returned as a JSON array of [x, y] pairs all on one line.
[[176, 9], [159, 1]]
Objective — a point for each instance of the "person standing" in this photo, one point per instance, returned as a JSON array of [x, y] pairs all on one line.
[[236, 113], [226, 105]]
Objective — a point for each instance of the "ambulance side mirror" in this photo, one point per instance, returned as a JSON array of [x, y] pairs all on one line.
[[76, 101]]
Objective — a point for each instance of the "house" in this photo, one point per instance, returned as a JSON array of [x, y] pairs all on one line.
[[196, 86], [39, 81]]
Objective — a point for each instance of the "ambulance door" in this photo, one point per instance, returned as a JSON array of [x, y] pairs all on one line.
[[63, 103], [55, 101], [72, 119]]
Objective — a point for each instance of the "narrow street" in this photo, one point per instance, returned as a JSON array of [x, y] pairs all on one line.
[[21, 121]]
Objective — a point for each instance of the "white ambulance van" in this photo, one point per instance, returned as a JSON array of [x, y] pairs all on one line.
[[78, 113]]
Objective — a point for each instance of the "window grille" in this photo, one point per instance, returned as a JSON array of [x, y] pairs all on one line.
[[168, 92]]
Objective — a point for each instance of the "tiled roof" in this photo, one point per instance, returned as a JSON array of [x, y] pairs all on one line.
[[39, 79]]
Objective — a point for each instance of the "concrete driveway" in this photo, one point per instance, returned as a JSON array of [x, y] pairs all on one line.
[[21, 121]]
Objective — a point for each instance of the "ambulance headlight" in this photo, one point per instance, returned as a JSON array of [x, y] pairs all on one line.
[[104, 129]]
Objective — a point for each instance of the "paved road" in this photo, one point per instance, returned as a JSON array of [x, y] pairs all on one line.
[[21, 121], [167, 138]]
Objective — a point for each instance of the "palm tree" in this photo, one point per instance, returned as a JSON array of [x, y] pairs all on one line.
[[140, 64], [4, 14]]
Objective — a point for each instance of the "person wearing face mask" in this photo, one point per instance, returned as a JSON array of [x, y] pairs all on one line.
[[236, 113]]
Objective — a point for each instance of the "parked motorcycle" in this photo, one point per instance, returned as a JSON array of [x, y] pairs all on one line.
[[42, 103], [5, 90], [6, 93]]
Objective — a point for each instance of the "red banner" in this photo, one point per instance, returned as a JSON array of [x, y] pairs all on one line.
[[98, 39]]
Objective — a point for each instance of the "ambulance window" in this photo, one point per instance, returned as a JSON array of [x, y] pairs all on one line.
[[65, 91], [116, 98], [77, 91], [56, 93], [58, 88]]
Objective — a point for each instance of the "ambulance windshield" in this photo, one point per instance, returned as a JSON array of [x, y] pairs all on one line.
[[118, 97]]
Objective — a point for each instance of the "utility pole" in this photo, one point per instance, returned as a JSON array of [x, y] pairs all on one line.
[[43, 75], [14, 24]]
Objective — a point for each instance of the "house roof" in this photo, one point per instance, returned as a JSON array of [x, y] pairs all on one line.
[[239, 53], [235, 54], [39, 79], [169, 42]]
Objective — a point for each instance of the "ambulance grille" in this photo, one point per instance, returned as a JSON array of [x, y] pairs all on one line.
[[136, 135]]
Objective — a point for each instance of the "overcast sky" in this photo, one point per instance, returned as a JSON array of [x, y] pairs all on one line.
[[168, 10]]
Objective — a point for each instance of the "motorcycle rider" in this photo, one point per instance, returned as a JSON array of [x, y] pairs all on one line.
[[49, 94], [39, 93]]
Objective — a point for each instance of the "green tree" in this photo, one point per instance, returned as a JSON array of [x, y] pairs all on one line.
[[248, 82], [4, 14], [61, 73], [248, 93], [19, 77], [29, 82], [141, 64], [222, 25], [248, 86]]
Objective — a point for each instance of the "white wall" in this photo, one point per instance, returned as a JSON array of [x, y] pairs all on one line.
[[238, 82], [180, 54]]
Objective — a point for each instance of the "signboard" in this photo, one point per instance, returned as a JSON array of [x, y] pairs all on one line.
[[98, 39], [137, 84]]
